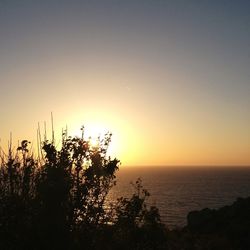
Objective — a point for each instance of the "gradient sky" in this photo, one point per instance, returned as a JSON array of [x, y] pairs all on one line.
[[170, 79]]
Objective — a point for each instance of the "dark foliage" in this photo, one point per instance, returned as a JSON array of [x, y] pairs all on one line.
[[60, 201], [215, 229], [229, 225]]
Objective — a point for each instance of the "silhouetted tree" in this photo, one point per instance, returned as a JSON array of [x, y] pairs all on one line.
[[60, 201], [138, 226], [17, 193], [73, 187]]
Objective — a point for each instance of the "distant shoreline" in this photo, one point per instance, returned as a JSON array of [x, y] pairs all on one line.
[[185, 166]]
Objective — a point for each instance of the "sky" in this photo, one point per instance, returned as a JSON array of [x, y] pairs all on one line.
[[169, 78]]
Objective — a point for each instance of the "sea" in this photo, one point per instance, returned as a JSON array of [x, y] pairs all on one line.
[[176, 191]]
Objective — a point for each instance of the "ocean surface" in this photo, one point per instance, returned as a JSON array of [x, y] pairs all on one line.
[[179, 190]]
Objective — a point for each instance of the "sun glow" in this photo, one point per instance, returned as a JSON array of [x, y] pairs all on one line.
[[127, 143], [94, 132]]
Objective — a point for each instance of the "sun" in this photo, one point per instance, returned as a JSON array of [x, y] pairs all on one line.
[[122, 145], [94, 143], [94, 131]]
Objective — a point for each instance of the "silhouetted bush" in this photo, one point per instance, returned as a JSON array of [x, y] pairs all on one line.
[[136, 225], [59, 201]]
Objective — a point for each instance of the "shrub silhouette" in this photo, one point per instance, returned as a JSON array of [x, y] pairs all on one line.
[[137, 226], [60, 201]]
